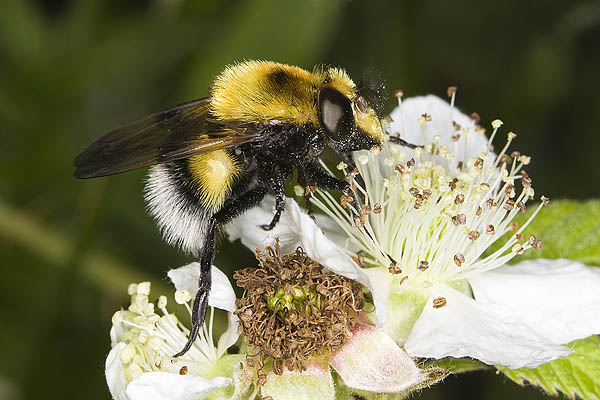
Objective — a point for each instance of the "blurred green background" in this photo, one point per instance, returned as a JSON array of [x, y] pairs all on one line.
[[71, 70]]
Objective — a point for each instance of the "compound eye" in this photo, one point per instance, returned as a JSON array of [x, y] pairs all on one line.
[[335, 113], [361, 104]]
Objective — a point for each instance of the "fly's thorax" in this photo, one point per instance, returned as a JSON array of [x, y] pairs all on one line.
[[268, 93], [261, 92]]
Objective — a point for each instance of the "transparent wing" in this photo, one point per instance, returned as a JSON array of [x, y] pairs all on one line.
[[173, 134]]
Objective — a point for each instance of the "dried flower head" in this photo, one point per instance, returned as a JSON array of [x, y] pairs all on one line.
[[293, 310]]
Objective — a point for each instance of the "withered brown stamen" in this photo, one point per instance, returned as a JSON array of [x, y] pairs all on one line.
[[292, 309]]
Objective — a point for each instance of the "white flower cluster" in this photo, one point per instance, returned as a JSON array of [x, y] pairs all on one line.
[[140, 364]]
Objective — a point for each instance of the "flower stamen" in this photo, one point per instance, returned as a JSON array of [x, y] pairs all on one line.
[[292, 310]]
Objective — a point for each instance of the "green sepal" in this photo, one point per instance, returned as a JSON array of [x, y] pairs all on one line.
[[576, 375], [230, 365], [457, 365], [315, 382], [569, 229]]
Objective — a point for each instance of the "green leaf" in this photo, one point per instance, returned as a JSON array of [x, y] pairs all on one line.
[[569, 229], [576, 375]]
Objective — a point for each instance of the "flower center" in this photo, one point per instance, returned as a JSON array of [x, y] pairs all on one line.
[[298, 299], [151, 339], [429, 215], [292, 310]]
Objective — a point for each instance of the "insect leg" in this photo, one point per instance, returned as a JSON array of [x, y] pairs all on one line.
[[318, 177], [307, 194], [230, 210], [322, 179], [279, 206]]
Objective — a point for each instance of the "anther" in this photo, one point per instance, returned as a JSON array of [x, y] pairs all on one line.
[[394, 269], [525, 159], [490, 230], [532, 240], [309, 190], [474, 235], [345, 200], [459, 259], [359, 260], [510, 190], [545, 200], [505, 159], [439, 302], [423, 265], [359, 221], [497, 123], [459, 219]]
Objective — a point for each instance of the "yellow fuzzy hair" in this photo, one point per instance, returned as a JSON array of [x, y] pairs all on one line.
[[256, 91]]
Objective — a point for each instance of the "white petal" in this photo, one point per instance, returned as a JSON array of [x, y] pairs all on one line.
[[295, 229], [168, 386], [333, 232], [372, 361], [221, 294], [114, 373], [314, 383], [116, 334], [492, 334], [230, 336], [406, 117], [560, 299]]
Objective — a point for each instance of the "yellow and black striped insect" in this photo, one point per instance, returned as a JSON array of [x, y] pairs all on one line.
[[212, 159]]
